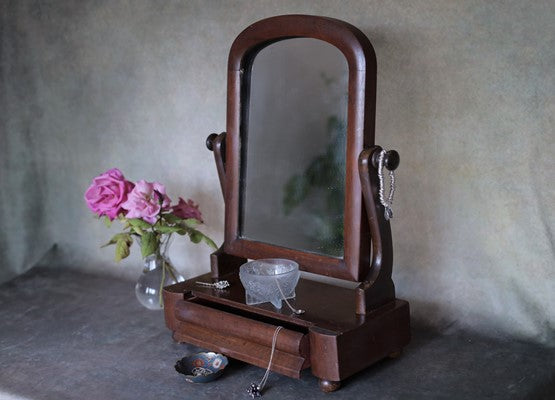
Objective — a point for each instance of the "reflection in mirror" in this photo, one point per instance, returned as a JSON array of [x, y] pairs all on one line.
[[293, 175]]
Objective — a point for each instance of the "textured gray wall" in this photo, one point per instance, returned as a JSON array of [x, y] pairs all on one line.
[[465, 93]]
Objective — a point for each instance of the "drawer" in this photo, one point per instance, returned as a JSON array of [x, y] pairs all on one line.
[[243, 338]]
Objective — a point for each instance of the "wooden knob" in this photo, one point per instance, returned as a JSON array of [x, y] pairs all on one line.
[[391, 159], [210, 141]]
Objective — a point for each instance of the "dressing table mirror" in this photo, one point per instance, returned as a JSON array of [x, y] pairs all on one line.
[[298, 170]]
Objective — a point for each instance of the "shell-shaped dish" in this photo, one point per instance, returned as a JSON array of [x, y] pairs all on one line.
[[202, 367]]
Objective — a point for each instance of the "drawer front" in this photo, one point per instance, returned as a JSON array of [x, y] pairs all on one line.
[[242, 338]]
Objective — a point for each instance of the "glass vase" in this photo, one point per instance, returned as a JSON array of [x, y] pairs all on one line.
[[158, 272]]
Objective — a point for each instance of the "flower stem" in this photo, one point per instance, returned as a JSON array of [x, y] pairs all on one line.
[[171, 270], [162, 284]]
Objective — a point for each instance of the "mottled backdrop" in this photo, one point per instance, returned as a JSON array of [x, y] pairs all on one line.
[[466, 94]]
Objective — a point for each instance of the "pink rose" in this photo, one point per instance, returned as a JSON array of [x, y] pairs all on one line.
[[187, 209], [146, 200], [107, 193]]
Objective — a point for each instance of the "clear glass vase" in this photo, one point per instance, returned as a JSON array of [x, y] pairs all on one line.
[[158, 272]]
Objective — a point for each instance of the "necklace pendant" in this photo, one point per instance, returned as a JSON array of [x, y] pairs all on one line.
[[254, 390], [221, 285], [388, 213], [216, 285]]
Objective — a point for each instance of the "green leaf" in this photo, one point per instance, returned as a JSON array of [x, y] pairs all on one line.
[[183, 230], [167, 229], [197, 237], [171, 219], [210, 242], [149, 244], [191, 222], [107, 221], [112, 241], [122, 249], [138, 230], [115, 239], [123, 242], [139, 223]]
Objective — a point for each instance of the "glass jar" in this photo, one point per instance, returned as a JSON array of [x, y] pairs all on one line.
[[158, 272]]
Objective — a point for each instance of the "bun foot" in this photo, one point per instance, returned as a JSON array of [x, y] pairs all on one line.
[[395, 354], [329, 386]]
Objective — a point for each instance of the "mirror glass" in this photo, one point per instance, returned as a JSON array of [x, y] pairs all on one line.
[[294, 146]]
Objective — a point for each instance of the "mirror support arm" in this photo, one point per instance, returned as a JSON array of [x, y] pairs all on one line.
[[377, 287], [220, 262], [216, 144]]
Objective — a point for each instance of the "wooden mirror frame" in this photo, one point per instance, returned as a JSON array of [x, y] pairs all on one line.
[[344, 330], [361, 61]]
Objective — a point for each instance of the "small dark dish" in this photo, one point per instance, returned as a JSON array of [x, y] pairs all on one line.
[[201, 367]]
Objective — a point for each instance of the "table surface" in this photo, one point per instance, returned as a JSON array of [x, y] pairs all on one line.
[[66, 334]]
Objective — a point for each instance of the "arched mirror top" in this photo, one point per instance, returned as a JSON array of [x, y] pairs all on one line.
[[354, 45]]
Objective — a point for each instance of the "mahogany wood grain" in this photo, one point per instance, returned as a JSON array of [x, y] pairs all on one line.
[[383, 332], [222, 263], [361, 62], [171, 295], [334, 347], [216, 143], [236, 347], [377, 287], [330, 307], [249, 329]]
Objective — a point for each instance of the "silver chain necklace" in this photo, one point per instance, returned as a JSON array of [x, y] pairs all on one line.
[[255, 390], [388, 213]]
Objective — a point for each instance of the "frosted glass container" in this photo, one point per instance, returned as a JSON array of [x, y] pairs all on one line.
[[269, 280]]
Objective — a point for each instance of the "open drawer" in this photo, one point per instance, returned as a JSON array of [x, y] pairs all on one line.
[[242, 338]]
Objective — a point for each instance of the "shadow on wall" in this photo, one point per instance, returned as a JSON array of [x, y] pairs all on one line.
[[23, 209], [468, 242], [403, 123]]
